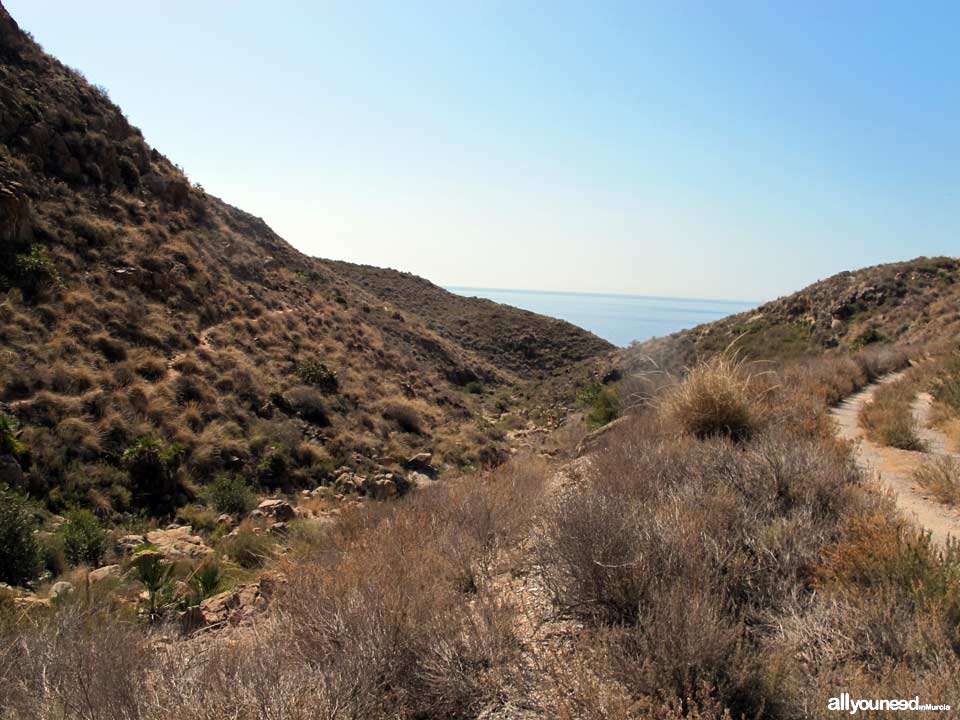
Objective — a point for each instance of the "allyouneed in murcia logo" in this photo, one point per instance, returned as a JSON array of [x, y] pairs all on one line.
[[845, 703]]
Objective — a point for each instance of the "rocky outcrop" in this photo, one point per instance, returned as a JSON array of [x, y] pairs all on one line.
[[277, 510], [175, 543], [233, 607]]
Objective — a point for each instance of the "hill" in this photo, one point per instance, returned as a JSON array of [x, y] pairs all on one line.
[[528, 344], [154, 336], [911, 303]]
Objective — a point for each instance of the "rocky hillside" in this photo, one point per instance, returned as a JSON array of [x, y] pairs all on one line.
[[153, 337], [911, 303]]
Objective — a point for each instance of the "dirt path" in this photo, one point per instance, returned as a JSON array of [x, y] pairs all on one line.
[[894, 468]]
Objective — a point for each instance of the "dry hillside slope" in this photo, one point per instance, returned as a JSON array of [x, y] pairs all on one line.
[[908, 303], [153, 336]]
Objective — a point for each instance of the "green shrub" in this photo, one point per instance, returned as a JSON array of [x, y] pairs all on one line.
[[152, 465], [19, 551], [84, 540], [314, 372], [10, 443], [602, 404], [205, 581], [231, 494], [35, 271], [868, 337]]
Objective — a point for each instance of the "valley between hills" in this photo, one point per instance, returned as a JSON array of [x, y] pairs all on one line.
[[240, 482]]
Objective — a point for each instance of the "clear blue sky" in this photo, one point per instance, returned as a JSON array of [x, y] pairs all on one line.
[[727, 150]]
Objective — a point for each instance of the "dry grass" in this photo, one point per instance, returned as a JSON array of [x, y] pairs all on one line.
[[941, 477], [714, 399], [889, 419]]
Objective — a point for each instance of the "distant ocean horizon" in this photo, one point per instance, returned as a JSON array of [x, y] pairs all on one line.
[[620, 319]]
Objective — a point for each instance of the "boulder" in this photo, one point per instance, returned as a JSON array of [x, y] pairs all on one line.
[[61, 589], [422, 462], [179, 542], [233, 607], [107, 572], [278, 510]]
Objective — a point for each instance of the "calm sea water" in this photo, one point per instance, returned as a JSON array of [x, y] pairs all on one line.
[[621, 319]]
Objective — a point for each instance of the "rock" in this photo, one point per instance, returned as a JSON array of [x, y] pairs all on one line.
[[279, 528], [225, 520], [383, 489], [179, 542], [233, 607], [421, 462], [11, 474], [279, 510], [127, 544], [61, 589], [599, 436], [107, 572], [31, 602], [419, 479]]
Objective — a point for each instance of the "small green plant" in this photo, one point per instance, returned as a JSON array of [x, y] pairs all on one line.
[[19, 552], [84, 540], [474, 387], [206, 581], [868, 337], [314, 372], [157, 575], [10, 443], [602, 404], [231, 494], [34, 271]]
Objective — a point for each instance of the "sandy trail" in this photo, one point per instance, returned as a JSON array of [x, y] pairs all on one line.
[[894, 468]]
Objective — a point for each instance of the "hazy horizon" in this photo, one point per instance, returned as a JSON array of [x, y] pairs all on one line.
[[636, 149]]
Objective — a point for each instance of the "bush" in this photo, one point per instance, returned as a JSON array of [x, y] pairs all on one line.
[[152, 465], [941, 477], [314, 372], [889, 419], [34, 271], [231, 494], [248, 549], [714, 399], [308, 402], [19, 551], [129, 173], [10, 443], [946, 387], [84, 541], [406, 417]]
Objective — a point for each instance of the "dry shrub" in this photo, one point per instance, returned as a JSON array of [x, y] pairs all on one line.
[[715, 398], [79, 664], [405, 416], [889, 419], [941, 476]]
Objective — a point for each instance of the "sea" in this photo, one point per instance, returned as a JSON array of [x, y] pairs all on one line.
[[621, 319]]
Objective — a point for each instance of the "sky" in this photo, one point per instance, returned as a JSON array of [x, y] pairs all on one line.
[[735, 150]]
